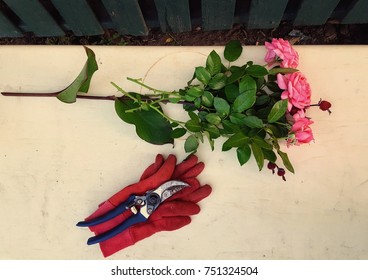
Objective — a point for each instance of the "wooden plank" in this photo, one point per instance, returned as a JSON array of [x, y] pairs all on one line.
[[315, 12], [7, 29], [358, 13], [174, 15], [266, 13], [78, 17], [218, 14], [126, 16], [35, 17]]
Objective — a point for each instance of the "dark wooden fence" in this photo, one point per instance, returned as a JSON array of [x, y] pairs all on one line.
[[137, 17]]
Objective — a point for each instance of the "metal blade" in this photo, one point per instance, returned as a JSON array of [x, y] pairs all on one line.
[[170, 188], [155, 197]]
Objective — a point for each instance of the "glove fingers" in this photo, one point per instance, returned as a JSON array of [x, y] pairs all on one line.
[[175, 208], [193, 172], [198, 194], [153, 167], [184, 166], [162, 175]]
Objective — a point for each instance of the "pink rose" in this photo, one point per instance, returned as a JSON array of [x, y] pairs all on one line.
[[281, 50], [296, 90], [301, 130]]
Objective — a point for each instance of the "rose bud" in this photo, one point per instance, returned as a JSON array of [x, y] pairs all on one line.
[[271, 166], [325, 106], [281, 173]]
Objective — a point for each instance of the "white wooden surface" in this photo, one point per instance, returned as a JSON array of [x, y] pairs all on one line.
[[58, 161]]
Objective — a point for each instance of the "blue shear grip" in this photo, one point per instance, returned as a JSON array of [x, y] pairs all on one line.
[[121, 208], [135, 219]]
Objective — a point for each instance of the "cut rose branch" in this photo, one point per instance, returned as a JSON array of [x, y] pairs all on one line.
[[254, 107]]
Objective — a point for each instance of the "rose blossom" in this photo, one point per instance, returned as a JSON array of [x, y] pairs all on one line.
[[280, 49], [296, 90], [301, 130]]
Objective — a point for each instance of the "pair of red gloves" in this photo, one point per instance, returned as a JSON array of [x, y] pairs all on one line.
[[172, 214]]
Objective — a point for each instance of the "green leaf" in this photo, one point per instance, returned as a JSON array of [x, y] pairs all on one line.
[[221, 106], [193, 116], [257, 71], [199, 136], [269, 155], [174, 99], [189, 107], [279, 131], [198, 102], [252, 122], [150, 125], [236, 74], [207, 99], [278, 110], [218, 81], [276, 70], [236, 140], [273, 86], [231, 92], [258, 155], [229, 127], [262, 143], [213, 63], [202, 115], [191, 144], [210, 141], [233, 50], [247, 84], [213, 118], [212, 130], [193, 126], [178, 132], [243, 154], [262, 99], [286, 161], [244, 101], [192, 93], [92, 67], [202, 75], [82, 81], [237, 118]]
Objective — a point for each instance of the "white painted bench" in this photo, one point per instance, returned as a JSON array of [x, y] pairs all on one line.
[[58, 161]]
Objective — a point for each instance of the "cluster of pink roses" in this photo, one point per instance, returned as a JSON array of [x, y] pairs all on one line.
[[296, 89]]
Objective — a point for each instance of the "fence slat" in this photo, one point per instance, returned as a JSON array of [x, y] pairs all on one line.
[[315, 12], [35, 17], [358, 14], [7, 29], [174, 15], [218, 14], [266, 13], [126, 16], [78, 17]]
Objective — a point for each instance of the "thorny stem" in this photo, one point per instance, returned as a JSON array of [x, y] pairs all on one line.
[[54, 94], [137, 81], [166, 117], [92, 97]]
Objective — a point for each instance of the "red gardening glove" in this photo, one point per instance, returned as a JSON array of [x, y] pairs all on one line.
[[171, 215]]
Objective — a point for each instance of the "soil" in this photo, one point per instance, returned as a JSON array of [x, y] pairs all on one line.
[[330, 33]]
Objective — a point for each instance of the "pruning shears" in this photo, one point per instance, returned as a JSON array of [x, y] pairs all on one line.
[[142, 207]]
